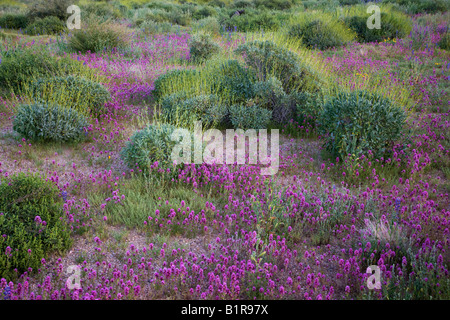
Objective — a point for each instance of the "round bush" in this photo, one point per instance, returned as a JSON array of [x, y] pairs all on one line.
[[30, 224], [75, 92], [98, 37], [172, 81], [249, 117], [393, 26], [183, 111], [149, 145], [354, 123], [232, 82], [269, 93], [40, 122], [13, 21], [24, 66], [316, 34], [48, 25], [266, 60], [202, 47]]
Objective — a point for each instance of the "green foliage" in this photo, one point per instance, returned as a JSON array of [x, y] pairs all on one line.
[[45, 8], [422, 6], [21, 67], [40, 122], [308, 107], [22, 198], [208, 25], [98, 36], [273, 4], [71, 91], [208, 109], [202, 47], [232, 82], [47, 25], [13, 21], [171, 81], [249, 117], [394, 24], [149, 145], [269, 93], [316, 34], [250, 21], [354, 123], [267, 59], [102, 10], [444, 43]]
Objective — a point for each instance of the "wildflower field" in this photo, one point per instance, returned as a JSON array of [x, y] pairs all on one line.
[[89, 194]]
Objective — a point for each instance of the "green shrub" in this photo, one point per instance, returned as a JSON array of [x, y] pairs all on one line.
[[183, 111], [250, 21], [354, 123], [48, 25], [41, 122], [269, 93], [249, 117], [98, 37], [394, 24], [202, 47], [232, 82], [308, 107], [151, 27], [149, 145], [13, 21], [422, 6], [316, 34], [24, 66], [45, 8], [22, 198], [273, 4], [204, 12], [267, 59], [101, 9], [208, 25], [444, 43], [170, 82], [74, 92]]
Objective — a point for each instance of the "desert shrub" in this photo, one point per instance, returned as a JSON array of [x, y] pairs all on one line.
[[308, 106], [202, 47], [181, 110], [149, 145], [170, 82], [101, 9], [97, 37], [316, 34], [24, 66], [74, 92], [151, 27], [204, 12], [273, 4], [30, 212], [47, 25], [394, 24], [208, 25], [249, 117], [45, 8], [251, 21], [232, 82], [354, 123], [45, 123], [269, 93], [13, 21], [422, 6], [444, 43], [267, 59], [180, 18], [237, 4]]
